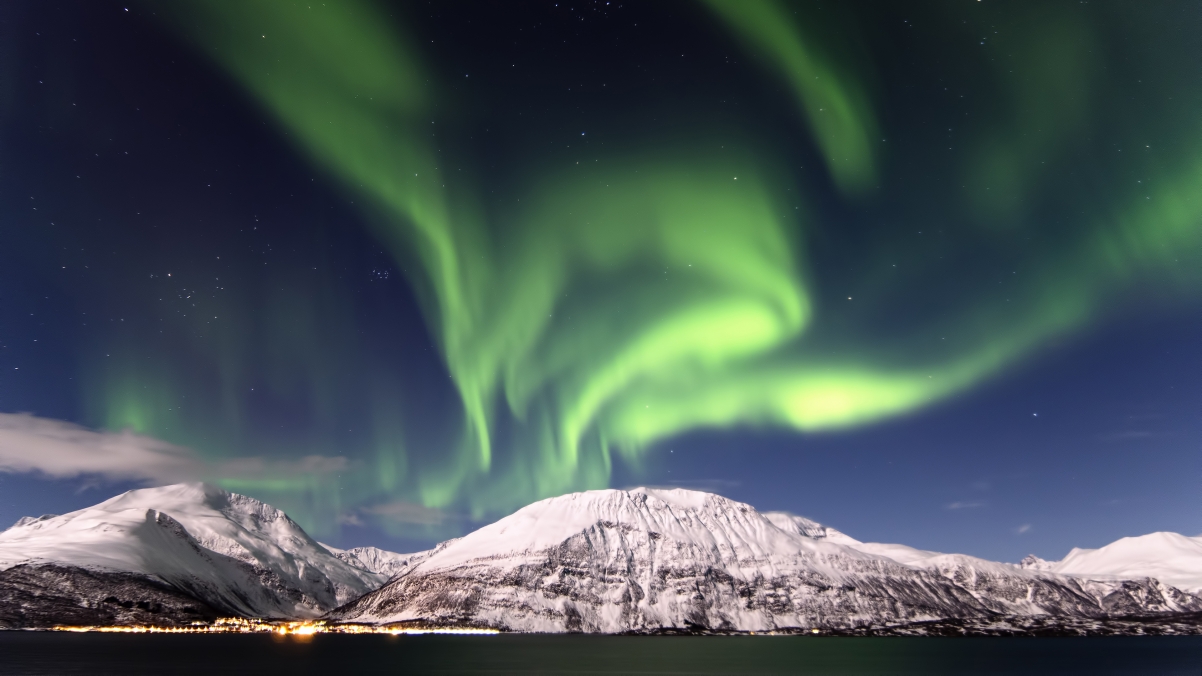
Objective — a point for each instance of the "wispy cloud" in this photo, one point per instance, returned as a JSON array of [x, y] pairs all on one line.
[[350, 519], [62, 450], [1023, 528], [963, 505], [406, 512], [262, 468]]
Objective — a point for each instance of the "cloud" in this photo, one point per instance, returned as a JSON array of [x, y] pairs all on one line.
[[964, 505], [62, 450], [261, 468], [349, 519], [1023, 528], [406, 512]]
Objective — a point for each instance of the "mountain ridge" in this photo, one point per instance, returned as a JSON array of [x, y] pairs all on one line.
[[653, 560], [611, 561]]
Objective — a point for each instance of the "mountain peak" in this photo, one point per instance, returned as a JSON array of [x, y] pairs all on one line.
[[232, 551], [27, 520], [1171, 558], [1032, 562], [641, 560], [704, 519], [195, 492], [684, 498]]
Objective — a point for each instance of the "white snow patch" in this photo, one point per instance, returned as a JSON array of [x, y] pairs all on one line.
[[1169, 557]]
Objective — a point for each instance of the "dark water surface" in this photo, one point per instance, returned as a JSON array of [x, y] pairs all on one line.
[[54, 653]]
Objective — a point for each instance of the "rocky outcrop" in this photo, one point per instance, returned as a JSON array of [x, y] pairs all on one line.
[[52, 595]]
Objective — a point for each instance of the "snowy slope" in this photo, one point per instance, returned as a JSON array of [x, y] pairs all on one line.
[[1032, 562], [379, 561], [1156, 563], [812, 529], [1169, 557], [650, 560], [1033, 589], [1113, 574], [232, 552], [26, 520]]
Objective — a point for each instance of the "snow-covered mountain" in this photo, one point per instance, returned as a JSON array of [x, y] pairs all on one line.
[[1032, 562], [1032, 590], [232, 552], [1169, 557], [601, 561], [791, 523], [379, 561], [654, 560], [26, 520]]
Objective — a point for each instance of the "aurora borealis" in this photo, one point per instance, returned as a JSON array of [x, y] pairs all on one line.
[[378, 258]]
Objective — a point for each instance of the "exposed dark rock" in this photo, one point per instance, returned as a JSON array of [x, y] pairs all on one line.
[[50, 595]]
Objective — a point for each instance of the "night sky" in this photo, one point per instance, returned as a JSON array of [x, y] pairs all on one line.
[[928, 272]]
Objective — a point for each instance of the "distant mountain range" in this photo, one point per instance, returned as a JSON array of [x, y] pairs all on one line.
[[608, 561]]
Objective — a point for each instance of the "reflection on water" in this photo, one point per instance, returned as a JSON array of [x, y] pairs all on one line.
[[57, 653]]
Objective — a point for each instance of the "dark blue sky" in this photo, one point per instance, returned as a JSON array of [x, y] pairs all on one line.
[[179, 259]]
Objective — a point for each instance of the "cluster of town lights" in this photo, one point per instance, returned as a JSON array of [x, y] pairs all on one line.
[[238, 625]]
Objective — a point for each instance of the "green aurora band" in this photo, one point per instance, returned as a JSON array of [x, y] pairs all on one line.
[[665, 291]]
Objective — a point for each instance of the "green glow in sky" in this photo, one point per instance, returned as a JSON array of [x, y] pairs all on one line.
[[834, 106], [674, 288]]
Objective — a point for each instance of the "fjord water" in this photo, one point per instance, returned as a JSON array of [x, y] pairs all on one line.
[[60, 653]]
